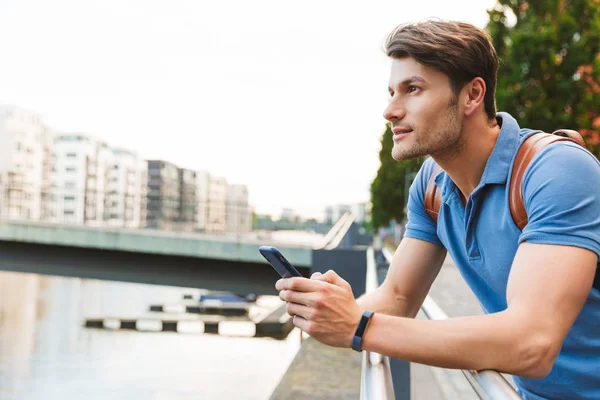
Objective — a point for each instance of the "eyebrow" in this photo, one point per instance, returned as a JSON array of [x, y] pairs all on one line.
[[407, 81]]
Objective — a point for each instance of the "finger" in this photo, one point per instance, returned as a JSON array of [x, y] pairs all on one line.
[[298, 284], [291, 296], [301, 323], [333, 278], [299, 310], [326, 277]]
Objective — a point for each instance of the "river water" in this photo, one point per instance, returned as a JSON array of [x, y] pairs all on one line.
[[47, 353]]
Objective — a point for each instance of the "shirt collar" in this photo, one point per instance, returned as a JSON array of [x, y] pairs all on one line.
[[499, 163]]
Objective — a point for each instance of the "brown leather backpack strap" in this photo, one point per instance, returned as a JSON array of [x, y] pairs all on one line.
[[433, 196], [530, 147], [571, 134]]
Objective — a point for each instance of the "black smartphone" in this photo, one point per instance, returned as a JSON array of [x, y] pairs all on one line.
[[278, 261]]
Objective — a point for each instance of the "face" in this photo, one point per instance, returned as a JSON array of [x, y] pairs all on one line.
[[423, 111]]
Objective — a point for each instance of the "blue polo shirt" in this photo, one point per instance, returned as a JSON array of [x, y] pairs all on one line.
[[561, 190]]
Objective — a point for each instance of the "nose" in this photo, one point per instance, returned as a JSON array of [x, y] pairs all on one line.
[[394, 111]]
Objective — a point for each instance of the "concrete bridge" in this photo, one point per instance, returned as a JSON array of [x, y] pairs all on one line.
[[214, 262]]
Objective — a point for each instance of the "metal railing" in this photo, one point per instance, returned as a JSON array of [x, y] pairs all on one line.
[[487, 384], [337, 233], [376, 378]]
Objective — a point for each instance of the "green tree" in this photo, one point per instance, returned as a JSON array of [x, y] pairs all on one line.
[[550, 64], [389, 189]]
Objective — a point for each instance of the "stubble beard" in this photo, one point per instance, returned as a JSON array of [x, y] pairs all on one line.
[[432, 140]]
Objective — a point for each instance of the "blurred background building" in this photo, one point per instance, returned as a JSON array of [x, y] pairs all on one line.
[[75, 178], [22, 138]]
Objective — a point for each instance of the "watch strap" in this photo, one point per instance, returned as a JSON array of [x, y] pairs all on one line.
[[360, 330]]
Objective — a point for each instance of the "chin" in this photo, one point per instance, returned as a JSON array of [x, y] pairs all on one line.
[[399, 154]]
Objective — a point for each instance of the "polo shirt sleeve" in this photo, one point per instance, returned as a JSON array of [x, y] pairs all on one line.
[[420, 225], [561, 193]]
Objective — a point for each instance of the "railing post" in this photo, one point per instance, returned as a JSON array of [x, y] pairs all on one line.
[[400, 378]]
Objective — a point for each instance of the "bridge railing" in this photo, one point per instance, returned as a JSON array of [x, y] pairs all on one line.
[[377, 376]]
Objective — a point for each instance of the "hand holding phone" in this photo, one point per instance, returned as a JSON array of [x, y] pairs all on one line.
[[278, 262]]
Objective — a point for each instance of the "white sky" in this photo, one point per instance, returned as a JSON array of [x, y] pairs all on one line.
[[286, 97]]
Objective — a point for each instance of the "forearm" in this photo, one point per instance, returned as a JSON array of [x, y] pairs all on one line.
[[382, 301], [490, 341]]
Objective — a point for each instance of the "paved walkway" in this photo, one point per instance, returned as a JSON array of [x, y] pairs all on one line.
[[321, 372]]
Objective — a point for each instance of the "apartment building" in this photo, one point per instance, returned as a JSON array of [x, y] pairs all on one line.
[[239, 219], [75, 178], [47, 174], [163, 195], [21, 163], [187, 203], [126, 189], [78, 188], [217, 205], [202, 189]]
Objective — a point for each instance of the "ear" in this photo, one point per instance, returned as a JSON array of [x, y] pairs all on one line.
[[475, 94]]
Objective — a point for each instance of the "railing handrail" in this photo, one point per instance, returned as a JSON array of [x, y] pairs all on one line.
[[376, 377], [487, 384], [334, 229], [337, 232]]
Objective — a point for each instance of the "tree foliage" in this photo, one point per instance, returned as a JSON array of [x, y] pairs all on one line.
[[390, 187], [549, 75]]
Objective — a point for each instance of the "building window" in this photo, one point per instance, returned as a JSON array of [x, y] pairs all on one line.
[[71, 155], [69, 198], [70, 169], [69, 213]]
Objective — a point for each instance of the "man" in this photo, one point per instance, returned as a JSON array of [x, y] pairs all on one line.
[[542, 313]]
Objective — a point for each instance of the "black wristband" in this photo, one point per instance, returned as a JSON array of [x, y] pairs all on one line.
[[360, 330]]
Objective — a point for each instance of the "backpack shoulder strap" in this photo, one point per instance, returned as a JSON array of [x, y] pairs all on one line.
[[433, 196], [529, 148]]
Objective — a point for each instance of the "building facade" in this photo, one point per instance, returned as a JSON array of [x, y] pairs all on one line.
[[126, 190], [202, 189], [163, 195], [239, 218], [77, 192], [188, 202], [21, 163], [217, 205], [47, 175]]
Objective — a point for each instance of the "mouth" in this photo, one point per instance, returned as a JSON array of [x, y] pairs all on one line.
[[400, 133]]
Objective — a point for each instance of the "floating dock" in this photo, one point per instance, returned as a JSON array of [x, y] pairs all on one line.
[[273, 322]]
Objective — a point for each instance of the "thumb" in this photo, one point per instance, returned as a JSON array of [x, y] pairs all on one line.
[[332, 277], [326, 277]]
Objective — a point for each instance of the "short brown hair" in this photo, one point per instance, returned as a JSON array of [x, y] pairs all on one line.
[[459, 50]]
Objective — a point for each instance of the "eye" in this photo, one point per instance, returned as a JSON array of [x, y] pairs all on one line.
[[413, 88]]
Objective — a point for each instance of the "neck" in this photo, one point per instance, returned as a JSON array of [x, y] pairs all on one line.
[[466, 160]]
